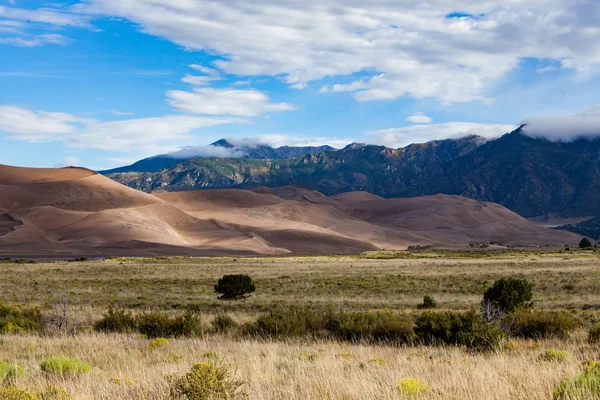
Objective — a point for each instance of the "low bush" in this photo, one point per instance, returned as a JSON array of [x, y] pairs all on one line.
[[428, 303], [594, 334], [457, 329], [552, 355], [540, 324], [158, 342], [157, 325], [223, 323], [10, 372], [585, 385], [207, 381], [378, 326], [53, 393], [64, 366], [16, 320], [150, 324], [412, 387], [116, 320], [14, 393], [295, 321]]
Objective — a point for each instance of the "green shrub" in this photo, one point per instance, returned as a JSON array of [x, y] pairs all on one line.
[[457, 329], [10, 372], [428, 303], [116, 320], [158, 342], [585, 385], [594, 334], [16, 320], [14, 393], [207, 381], [53, 393], [446, 327], [378, 326], [295, 321], [484, 338], [585, 243], [412, 387], [509, 293], [540, 324], [156, 325], [552, 355], [223, 323], [233, 287], [64, 366]]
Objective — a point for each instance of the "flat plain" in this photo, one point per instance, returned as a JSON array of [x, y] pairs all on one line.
[[126, 366]]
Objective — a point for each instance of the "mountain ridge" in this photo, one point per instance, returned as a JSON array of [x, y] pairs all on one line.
[[531, 176]]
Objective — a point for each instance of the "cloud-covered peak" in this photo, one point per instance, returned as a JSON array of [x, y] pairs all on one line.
[[565, 128]]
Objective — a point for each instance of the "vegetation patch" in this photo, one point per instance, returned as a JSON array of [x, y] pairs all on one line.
[[412, 387], [9, 373], [585, 385], [207, 381], [64, 366], [540, 324], [16, 320]]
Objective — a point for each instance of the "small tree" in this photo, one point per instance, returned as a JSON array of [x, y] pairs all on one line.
[[585, 243], [509, 294], [428, 303], [233, 287]]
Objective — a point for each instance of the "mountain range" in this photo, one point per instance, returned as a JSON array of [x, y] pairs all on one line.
[[532, 177], [242, 149]]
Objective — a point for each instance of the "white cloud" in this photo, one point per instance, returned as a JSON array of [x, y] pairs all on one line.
[[211, 101], [277, 140], [207, 151], [546, 69], [401, 137], [144, 134], [565, 128], [120, 113], [50, 16], [210, 75], [35, 40], [32, 28], [68, 162], [419, 118], [407, 47]]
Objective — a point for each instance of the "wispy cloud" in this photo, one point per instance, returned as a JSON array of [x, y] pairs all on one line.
[[212, 101], [119, 136], [35, 40]]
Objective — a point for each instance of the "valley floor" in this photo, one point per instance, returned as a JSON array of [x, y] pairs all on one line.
[[127, 366]]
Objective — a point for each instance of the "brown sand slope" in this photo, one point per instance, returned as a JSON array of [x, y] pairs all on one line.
[[74, 211]]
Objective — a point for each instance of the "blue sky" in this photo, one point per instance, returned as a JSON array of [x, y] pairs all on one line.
[[102, 83]]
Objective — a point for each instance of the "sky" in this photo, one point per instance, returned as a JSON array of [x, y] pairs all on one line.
[[104, 83]]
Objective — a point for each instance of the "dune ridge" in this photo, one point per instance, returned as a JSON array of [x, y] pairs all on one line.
[[74, 211]]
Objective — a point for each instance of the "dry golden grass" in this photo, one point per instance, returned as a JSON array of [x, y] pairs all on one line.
[[126, 367]]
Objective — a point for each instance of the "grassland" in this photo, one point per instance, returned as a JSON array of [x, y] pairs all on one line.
[[127, 367], [457, 280]]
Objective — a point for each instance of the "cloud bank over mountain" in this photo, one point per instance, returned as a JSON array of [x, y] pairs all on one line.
[[565, 128]]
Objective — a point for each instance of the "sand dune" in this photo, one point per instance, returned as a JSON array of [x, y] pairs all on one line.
[[74, 211]]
